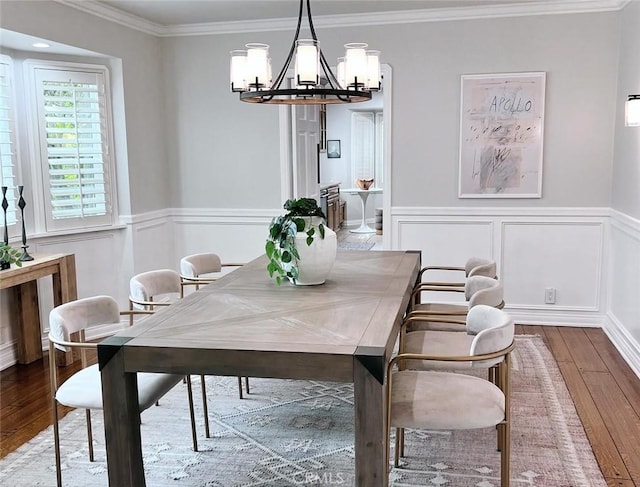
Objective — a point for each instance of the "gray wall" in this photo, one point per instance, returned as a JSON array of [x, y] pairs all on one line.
[[625, 195], [222, 143], [214, 151], [144, 95]]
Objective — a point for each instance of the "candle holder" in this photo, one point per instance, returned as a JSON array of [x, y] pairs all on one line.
[[21, 204], [5, 205]]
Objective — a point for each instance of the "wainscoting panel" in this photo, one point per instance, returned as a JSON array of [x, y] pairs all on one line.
[[449, 242], [237, 236], [623, 318], [153, 243], [563, 255], [534, 248]]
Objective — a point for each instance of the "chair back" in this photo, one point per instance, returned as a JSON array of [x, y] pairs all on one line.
[[476, 266], [494, 330], [72, 317], [197, 264], [484, 290], [143, 287]]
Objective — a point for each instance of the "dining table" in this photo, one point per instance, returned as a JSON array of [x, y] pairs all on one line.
[[244, 324]]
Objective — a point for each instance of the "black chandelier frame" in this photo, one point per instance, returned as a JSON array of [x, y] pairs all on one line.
[[309, 94]]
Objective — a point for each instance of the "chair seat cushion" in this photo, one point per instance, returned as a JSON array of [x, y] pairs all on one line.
[[444, 401], [84, 388], [437, 343]]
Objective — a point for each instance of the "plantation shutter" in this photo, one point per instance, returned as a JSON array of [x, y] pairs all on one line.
[[8, 157], [74, 147], [362, 145]]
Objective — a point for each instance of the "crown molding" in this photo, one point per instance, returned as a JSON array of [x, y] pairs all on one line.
[[115, 15], [543, 7]]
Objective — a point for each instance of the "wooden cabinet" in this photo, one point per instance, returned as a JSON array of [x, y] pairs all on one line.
[[332, 206]]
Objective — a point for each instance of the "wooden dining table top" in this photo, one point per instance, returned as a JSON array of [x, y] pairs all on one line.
[[248, 315]]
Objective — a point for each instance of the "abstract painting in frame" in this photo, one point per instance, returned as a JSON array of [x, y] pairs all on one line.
[[501, 132]]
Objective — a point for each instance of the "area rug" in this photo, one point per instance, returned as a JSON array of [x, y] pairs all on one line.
[[355, 245], [290, 432]]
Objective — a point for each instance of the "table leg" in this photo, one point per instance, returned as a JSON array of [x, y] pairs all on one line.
[[363, 228], [29, 334], [370, 425], [121, 416]]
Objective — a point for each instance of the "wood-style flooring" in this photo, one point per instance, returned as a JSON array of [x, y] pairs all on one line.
[[604, 389]]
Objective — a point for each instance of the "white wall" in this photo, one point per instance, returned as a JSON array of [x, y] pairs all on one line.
[[623, 324]]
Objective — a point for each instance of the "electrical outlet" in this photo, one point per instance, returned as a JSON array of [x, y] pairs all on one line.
[[550, 295]]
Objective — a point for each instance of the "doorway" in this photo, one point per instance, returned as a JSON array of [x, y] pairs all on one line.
[[341, 167]]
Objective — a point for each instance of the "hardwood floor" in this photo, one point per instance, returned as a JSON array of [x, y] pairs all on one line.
[[604, 389]]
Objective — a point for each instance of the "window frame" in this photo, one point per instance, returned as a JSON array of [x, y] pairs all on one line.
[[44, 221], [12, 191]]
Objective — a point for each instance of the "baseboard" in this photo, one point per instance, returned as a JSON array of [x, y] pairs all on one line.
[[624, 342], [8, 355], [553, 318]]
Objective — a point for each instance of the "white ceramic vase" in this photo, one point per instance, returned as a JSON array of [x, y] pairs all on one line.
[[316, 260]]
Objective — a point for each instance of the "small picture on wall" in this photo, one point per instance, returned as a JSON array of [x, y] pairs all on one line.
[[333, 149]]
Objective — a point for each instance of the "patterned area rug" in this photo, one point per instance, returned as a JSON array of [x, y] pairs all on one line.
[[301, 433], [355, 245]]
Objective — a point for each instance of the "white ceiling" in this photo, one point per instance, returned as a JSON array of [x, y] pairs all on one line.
[[197, 17], [180, 12]]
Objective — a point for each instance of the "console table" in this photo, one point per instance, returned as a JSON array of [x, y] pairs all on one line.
[[62, 269]]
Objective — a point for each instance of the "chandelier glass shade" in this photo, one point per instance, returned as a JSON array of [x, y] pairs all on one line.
[[632, 111], [358, 72]]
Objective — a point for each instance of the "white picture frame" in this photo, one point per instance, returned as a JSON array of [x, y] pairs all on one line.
[[501, 135]]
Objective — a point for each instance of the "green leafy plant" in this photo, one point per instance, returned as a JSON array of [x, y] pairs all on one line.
[[281, 243], [9, 255]]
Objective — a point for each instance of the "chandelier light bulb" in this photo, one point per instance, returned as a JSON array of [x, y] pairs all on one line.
[[355, 65], [257, 66], [632, 111], [238, 70], [373, 71], [307, 68]]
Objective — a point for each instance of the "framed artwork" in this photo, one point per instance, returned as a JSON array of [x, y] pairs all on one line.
[[501, 132], [333, 149]]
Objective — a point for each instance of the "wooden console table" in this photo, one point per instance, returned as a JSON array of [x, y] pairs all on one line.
[[62, 269]]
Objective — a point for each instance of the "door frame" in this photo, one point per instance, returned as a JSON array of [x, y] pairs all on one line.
[[286, 153]]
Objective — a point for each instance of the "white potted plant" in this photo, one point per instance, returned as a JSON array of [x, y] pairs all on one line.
[[300, 247]]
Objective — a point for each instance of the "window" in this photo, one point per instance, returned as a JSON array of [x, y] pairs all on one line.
[[72, 111], [8, 156]]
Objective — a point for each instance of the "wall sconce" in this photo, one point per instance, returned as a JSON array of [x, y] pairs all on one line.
[[632, 111]]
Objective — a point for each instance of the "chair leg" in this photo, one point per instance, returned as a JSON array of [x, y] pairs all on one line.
[[192, 414], [89, 434], [56, 443], [399, 451], [205, 407], [240, 386], [505, 438], [246, 384]]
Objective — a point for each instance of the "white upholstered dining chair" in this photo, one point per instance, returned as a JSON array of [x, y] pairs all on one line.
[[477, 290], [446, 400], [202, 268], [83, 390], [474, 266]]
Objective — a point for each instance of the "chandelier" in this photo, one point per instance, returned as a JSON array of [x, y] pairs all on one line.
[[314, 83]]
